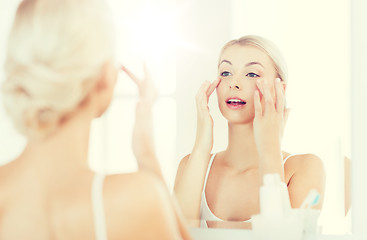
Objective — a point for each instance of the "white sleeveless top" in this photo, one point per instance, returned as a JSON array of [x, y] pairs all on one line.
[[98, 207], [205, 213]]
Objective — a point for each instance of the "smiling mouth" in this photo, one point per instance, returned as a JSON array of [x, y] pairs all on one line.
[[235, 102]]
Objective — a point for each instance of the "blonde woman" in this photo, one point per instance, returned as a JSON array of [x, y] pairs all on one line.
[[60, 75], [251, 88]]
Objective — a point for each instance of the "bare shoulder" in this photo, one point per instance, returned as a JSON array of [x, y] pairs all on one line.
[[304, 172], [181, 167], [184, 161], [12, 175], [133, 184], [139, 190], [141, 201], [304, 163], [308, 160]]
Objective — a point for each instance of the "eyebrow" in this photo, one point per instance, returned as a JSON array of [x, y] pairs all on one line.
[[247, 65], [253, 63], [224, 61]]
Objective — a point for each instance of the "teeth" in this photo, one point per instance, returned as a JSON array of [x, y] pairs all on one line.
[[235, 101]]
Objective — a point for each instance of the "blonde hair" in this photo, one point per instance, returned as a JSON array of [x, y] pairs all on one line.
[[268, 47], [56, 51]]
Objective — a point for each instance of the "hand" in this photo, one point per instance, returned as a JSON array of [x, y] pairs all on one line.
[[204, 131], [143, 141], [147, 91], [269, 122]]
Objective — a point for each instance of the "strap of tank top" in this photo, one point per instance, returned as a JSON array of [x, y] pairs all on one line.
[[208, 170], [98, 207], [285, 159]]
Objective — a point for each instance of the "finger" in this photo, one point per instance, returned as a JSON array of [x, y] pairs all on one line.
[[204, 90], [257, 104], [213, 86], [279, 95], [269, 102], [259, 86], [201, 98], [204, 87], [130, 74]]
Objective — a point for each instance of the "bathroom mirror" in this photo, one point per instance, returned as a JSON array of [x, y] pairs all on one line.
[[314, 38], [181, 40]]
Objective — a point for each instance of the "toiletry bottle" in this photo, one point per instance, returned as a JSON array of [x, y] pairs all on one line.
[[275, 220]]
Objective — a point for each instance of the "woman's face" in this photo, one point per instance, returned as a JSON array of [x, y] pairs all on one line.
[[239, 68]]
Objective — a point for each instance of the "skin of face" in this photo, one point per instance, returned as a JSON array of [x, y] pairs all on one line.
[[239, 68]]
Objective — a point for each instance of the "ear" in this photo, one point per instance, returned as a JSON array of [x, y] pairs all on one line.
[[284, 85], [107, 78], [104, 88]]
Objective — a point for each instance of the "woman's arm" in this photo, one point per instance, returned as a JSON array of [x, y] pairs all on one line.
[[191, 171], [143, 148], [143, 142], [308, 174], [269, 122]]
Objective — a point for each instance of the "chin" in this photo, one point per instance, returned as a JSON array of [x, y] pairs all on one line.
[[238, 117], [243, 116], [240, 121]]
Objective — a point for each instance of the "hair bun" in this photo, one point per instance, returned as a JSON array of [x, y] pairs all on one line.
[[51, 72]]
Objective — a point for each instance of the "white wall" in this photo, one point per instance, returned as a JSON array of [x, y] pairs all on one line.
[[205, 26]]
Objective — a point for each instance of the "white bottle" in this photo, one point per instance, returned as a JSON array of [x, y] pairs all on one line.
[[271, 190], [275, 220]]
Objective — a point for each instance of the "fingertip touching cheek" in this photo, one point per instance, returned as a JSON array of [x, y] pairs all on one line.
[[240, 67]]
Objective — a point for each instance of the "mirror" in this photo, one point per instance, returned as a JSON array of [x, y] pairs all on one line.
[[315, 44], [313, 40]]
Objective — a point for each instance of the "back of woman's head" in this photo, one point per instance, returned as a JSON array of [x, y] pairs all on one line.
[[56, 51], [268, 47]]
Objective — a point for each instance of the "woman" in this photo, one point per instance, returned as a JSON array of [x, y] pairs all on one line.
[[251, 89], [60, 75]]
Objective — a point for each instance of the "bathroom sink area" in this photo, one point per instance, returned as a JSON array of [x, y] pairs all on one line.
[[240, 234]]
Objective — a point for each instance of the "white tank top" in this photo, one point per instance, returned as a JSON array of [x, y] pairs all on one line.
[[205, 213]]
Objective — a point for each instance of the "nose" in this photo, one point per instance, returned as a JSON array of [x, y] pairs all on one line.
[[235, 83], [236, 86]]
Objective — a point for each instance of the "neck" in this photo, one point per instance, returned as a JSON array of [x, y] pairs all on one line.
[[62, 153], [241, 152]]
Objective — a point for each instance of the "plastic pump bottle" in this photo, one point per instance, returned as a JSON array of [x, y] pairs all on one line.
[[275, 220]]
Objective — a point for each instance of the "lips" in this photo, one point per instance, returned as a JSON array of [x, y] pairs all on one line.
[[235, 102]]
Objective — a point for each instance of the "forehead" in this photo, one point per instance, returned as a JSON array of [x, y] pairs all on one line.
[[240, 54]]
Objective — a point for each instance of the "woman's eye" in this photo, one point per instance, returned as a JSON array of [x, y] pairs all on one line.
[[252, 75], [225, 74]]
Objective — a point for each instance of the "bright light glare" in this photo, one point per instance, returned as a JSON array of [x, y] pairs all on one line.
[[146, 33], [154, 31]]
